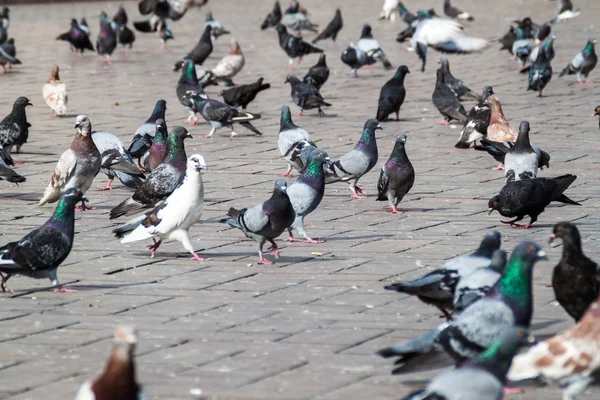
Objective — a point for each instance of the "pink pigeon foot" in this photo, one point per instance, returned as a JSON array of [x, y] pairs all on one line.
[[512, 390], [499, 167], [154, 247], [83, 207], [286, 174], [312, 241], [588, 82], [62, 289], [107, 187], [18, 162], [261, 259], [444, 122], [198, 258], [394, 210]]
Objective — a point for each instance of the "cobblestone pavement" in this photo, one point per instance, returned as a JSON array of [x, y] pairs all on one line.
[[307, 326]]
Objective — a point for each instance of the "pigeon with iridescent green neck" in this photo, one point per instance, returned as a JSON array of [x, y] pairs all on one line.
[[291, 141], [186, 87], [583, 63], [397, 176], [39, 254], [144, 135]]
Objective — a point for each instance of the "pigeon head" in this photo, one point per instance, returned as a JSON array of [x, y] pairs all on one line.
[[315, 154], [160, 123], [189, 70], [209, 17], [399, 152], [159, 110], [21, 103], [280, 185], [487, 92], [589, 47], [196, 163], [103, 16], [494, 204], [124, 342], [234, 48], [527, 22], [544, 31], [11, 41], [322, 61], [596, 111], [568, 232], [489, 244], [73, 196], [292, 79], [180, 133], [444, 64], [372, 125], [54, 74], [498, 356], [74, 22], [366, 31], [498, 261], [83, 125], [401, 72], [286, 118], [401, 138]]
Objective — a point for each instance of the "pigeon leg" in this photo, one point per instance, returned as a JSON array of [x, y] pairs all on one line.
[[233, 134], [444, 122], [588, 82], [353, 74], [108, 60], [511, 223], [274, 249], [394, 210], [307, 239], [320, 113], [355, 191], [210, 134], [288, 173], [194, 120], [189, 119], [52, 115], [540, 93], [291, 64], [398, 116], [301, 113], [83, 207], [198, 258], [154, 247], [108, 185], [446, 314], [3, 284], [499, 167], [512, 390], [261, 259], [299, 61], [368, 67], [62, 289]]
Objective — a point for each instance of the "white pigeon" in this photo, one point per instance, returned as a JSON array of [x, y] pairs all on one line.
[[55, 94], [77, 166], [171, 219], [389, 10], [227, 68]]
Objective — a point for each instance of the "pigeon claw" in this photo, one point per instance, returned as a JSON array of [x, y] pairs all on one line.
[[83, 207], [394, 210], [444, 122], [198, 258], [107, 187], [312, 241], [62, 289], [499, 167], [261, 259], [286, 174]]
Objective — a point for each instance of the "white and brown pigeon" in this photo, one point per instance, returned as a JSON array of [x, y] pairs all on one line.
[[55, 94]]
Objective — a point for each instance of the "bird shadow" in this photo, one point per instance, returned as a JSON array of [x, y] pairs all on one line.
[[336, 238], [544, 325], [79, 287]]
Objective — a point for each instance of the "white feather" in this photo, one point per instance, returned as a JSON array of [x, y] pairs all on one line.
[[85, 392], [55, 96], [436, 31]]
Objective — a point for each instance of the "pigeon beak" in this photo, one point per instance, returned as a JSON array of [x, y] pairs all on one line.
[[541, 255], [29, 104], [379, 127], [77, 125], [530, 339], [490, 210], [188, 137], [552, 237]]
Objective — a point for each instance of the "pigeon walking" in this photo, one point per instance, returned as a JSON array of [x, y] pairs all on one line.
[[540, 73], [457, 86], [77, 37], [187, 87], [14, 128], [392, 94], [499, 130], [358, 161], [291, 141], [294, 46], [397, 176], [370, 45], [355, 58], [478, 120], [446, 102], [296, 19], [116, 161], [241, 96], [144, 135], [266, 221], [77, 166], [39, 254], [583, 63], [500, 150], [229, 66], [201, 50], [332, 29], [306, 96], [171, 219], [55, 94], [107, 41], [318, 74]]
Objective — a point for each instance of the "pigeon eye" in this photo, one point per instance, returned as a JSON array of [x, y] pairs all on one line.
[[531, 249]]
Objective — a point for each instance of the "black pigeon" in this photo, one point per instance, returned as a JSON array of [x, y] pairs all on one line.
[[332, 29], [456, 85], [355, 58], [294, 46], [583, 63], [446, 102], [306, 96], [392, 94], [241, 96], [273, 18], [543, 33], [540, 72], [201, 50], [454, 12], [126, 36], [508, 39], [576, 279], [83, 25], [39, 254], [120, 17], [530, 197], [266, 221], [526, 28], [107, 40], [397, 176], [187, 86], [77, 37], [144, 135], [14, 128], [477, 123], [318, 74]]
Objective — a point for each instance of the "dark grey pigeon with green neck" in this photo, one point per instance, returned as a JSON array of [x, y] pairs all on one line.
[[162, 181], [188, 85], [307, 192], [291, 141], [14, 128], [482, 378], [356, 163], [521, 162], [397, 176], [39, 254], [144, 135], [583, 63]]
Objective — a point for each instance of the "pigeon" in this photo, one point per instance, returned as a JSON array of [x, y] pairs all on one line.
[[370, 45], [107, 41], [438, 287], [217, 29], [6, 173], [291, 141], [521, 162], [294, 46], [565, 12], [55, 94], [144, 135], [118, 379], [455, 13], [457, 86], [295, 19], [571, 359], [266, 221], [77, 37], [83, 25], [355, 58], [165, 34], [597, 113], [39, 254], [540, 73], [477, 122], [499, 130], [543, 32], [229, 66], [318, 74], [5, 17], [116, 161], [125, 36], [307, 192], [186, 86], [526, 28], [162, 181], [508, 39], [388, 12], [172, 218], [201, 50], [500, 150], [8, 54], [575, 279], [405, 15], [475, 285], [273, 18], [358, 161], [392, 94], [332, 29], [547, 46], [507, 304], [241, 96], [306, 96], [397, 176], [157, 152], [481, 378], [77, 166], [446, 101], [14, 128], [530, 197], [220, 115], [583, 63]]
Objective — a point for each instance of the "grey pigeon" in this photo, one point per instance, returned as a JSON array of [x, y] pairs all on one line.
[[77, 166], [370, 45], [144, 135], [296, 20], [397, 176], [116, 161], [8, 54], [273, 18], [172, 218], [457, 86], [438, 287], [446, 101], [39, 254], [356, 58], [162, 181], [392, 94], [481, 378], [540, 73], [291, 141], [187, 86], [307, 192], [306, 96], [358, 161], [583, 63], [477, 122], [107, 40], [332, 29], [500, 150], [14, 128], [217, 28], [266, 221], [294, 46]]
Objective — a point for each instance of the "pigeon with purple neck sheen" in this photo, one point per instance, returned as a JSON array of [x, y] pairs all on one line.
[[358, 161], [291, 141], [118, 380], [39, 254], [266, 221], [144, 135], [155, 156], [107, 40], [14, 128], [77, 37], [397, 176], [116, 161], [307, 192], [77, 166], [162, 181]]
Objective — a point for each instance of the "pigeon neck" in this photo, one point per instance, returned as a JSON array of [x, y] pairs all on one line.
[[189, 73], [399, 76], [398, 154], [63, 218], [496, 111], [18, 114], [160, 136], [84, 144], [118, 377], [158, 112], [589, 49], [572, 245], [514, 288], [286, 121], [522, 143], [175, 151], [314, 175], [495, 360], [367, 141]]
